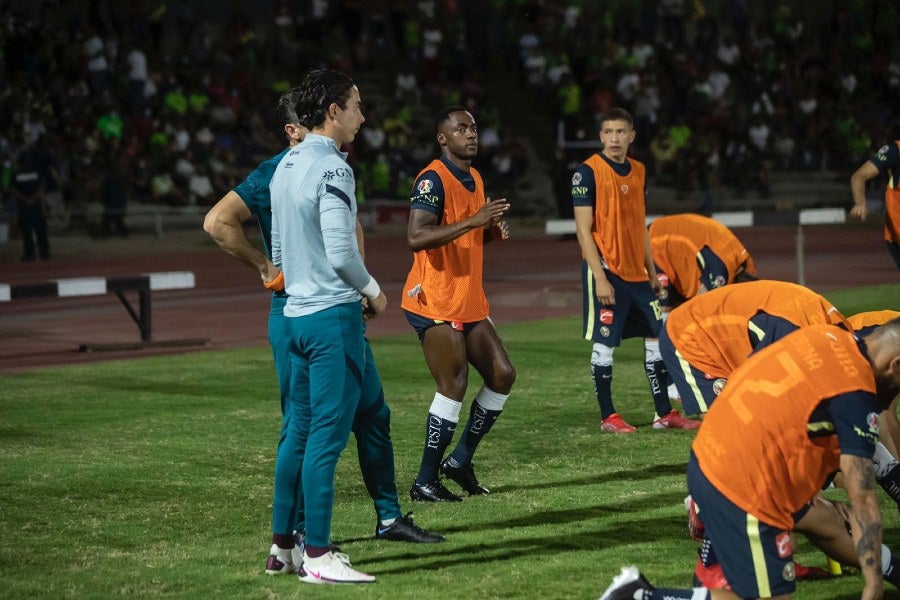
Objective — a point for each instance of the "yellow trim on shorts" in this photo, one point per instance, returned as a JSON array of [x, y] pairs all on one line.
[[759, 558], [757, 331], [820, 426], [592, 304], [691, 381]]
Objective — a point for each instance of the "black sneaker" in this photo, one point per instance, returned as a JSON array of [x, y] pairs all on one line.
[[464, 475], [404, 530], [628, 585], [433, 491]]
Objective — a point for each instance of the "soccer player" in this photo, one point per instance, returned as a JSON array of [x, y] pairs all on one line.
[[863, 324], [694, 254], [224, 223], [314, 243], [886, 159], [816, 394], [450, 221], [620, 284], [705, 339]]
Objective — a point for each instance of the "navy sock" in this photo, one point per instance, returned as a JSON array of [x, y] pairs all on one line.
[[891, 483], [892, 573], [480, 422], [658, 376], [603, 387], [438, 435]]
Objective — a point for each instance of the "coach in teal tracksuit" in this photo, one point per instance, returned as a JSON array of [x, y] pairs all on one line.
[[371, 424], [314, 242]]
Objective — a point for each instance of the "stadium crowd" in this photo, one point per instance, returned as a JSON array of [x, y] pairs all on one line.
[[169, 102]]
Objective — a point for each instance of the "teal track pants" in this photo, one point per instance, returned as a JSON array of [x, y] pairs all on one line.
[[370, 424]]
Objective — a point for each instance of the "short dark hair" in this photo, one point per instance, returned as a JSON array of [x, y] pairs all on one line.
[[617, 114], [321, 88], [444, 115], [286, 109]]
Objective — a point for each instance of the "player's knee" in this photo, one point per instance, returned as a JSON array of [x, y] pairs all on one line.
[[382, 417], [601, 355], [504, 378], [377, 421], [453, 385]]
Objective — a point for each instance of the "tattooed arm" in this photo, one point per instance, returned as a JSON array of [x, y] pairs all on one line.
[[859, 478]]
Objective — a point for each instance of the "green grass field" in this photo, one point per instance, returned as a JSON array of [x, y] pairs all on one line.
[[153, 477]]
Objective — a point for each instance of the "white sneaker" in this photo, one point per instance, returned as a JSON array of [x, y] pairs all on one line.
[[333, 567], [282, 561], [628, 585]]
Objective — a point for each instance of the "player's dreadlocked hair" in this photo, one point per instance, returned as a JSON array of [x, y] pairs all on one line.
[[321, 88], [444, 115], [286, 109]]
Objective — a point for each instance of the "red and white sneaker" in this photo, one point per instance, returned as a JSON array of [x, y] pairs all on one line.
[[711, 577], [674, 420], [614, 423], [695, 525], [283, 561], [333, 567]]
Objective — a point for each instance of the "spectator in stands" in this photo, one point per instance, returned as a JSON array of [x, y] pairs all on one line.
[[164, 190], [28, 187], [200, 188], [96, 62], [137, 78], [114, 193], [664, 155], [55, 78]]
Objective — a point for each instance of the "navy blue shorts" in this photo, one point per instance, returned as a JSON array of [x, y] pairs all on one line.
[[670, 297], [757, 558], [635, 313], [696, 390], [422, 324], [713, 272]]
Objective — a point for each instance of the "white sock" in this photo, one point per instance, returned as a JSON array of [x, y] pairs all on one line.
[[673, 392], [883, 460]]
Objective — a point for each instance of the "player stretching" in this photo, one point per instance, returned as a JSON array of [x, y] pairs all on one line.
[[815, 395], [694, 254], [620, 284], [449, 222]]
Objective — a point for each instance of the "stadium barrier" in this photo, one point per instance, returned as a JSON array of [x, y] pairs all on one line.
[[98, 286], [809, 216]]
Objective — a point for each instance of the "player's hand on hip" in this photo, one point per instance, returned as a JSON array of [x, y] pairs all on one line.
[[375, 306], [605, 293], [272, 278]]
